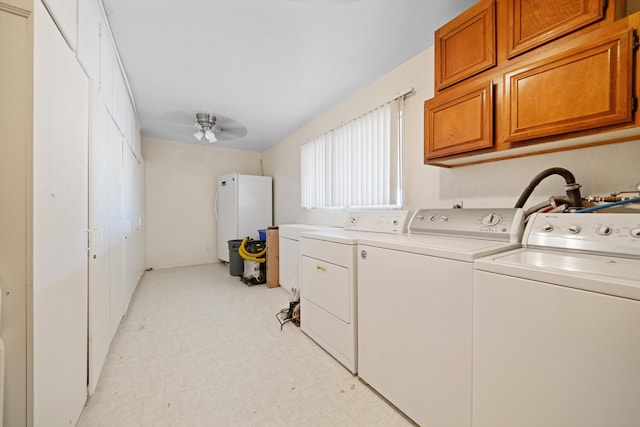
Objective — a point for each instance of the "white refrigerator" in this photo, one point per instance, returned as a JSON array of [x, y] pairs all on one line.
[[243, 206]]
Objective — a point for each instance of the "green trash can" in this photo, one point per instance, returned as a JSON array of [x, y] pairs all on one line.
[[236, 263]]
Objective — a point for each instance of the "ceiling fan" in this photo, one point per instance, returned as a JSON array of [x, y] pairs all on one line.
[[210, 128], [207, 127]]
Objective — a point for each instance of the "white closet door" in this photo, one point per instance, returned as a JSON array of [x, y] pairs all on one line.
[[60, 176], [65, 13], [130, 195], [117, 228], [99, 255]]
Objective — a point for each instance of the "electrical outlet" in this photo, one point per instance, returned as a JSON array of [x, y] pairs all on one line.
[[457, 204]]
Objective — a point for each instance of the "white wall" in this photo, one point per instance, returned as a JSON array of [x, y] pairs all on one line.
[[600, 170], [180, 185]]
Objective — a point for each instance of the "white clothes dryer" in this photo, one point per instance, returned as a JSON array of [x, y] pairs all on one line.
[[328, 275]]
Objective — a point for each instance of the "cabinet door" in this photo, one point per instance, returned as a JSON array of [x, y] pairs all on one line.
[[535, 22], [588, 84], [459, 121], [65, 14], [100, 244], [466, 45], [88, 51], [116, 228], [60, 200]]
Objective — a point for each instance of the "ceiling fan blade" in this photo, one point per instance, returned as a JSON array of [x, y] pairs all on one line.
[[229, 129]]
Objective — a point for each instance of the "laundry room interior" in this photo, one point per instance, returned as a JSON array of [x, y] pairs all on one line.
[[141, 286]]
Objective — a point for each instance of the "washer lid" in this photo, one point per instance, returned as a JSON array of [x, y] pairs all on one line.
[[455, 248], [339, 235], [293, 231], [597, 273]]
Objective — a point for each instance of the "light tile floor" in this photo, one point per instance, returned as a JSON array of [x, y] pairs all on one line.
[[199, 348]]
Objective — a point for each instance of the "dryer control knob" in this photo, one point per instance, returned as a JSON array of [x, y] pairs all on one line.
[[635, 232], [604, 230], [547, 227], [491, 219], [575, 229]]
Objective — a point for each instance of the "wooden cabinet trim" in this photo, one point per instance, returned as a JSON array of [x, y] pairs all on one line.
[[455, 64], [15, 10], [610, 102], [587, 12]]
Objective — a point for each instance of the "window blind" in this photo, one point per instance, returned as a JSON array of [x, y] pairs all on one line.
[[357, 164]]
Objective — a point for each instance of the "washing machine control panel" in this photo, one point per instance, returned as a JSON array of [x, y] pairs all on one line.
[[503, 224], [601, 233]]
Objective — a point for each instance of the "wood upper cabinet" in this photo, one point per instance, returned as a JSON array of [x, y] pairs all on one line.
[[519, 77], [459, 121], [581, 84], [466, 45], [532, 23]]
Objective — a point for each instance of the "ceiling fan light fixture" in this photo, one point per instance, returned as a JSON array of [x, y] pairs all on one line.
[[216, 128], [210, 135]]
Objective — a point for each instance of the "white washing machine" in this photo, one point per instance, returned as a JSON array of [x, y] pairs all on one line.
[[289, 251], [556, 325], [415, 296], [328, 277]]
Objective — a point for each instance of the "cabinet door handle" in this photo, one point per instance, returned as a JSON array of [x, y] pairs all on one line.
[[321, 269], [91, 239]]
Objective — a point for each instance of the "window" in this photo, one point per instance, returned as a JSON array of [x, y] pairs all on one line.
[[357, 164]]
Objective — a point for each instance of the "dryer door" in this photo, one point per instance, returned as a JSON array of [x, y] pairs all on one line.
[[327, 285]]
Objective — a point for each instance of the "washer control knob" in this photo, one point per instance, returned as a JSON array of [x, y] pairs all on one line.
[[575, 229], [444, 218], [491, 219], [433, 218], [419, 218], [547, 227], [635, 232], [604, 230]]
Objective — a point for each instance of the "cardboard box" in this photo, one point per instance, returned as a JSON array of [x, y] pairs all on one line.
[[273, 258]]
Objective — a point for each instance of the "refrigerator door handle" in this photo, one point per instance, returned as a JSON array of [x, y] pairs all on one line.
[[216, 207]]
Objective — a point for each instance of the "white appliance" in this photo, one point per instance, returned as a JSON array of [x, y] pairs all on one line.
[[243, 206], [557, 325], [415, 307], [328, 277], [289, 248]]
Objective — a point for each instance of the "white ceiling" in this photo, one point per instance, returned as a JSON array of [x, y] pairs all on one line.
[[269, 65]]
